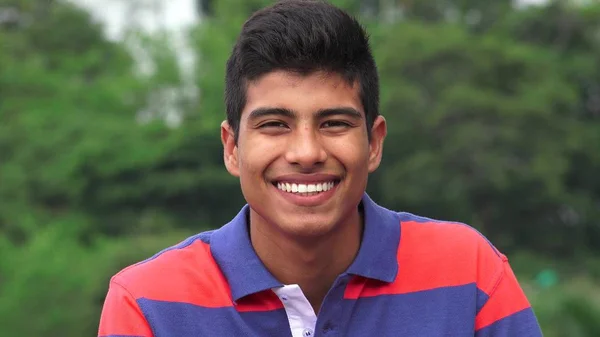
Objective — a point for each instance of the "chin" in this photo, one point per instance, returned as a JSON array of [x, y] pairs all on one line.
[[308, 228]]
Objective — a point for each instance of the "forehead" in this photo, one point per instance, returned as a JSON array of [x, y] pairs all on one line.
[[304, 94]]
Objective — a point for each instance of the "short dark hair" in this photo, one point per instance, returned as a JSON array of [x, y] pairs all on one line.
[[302, 36]]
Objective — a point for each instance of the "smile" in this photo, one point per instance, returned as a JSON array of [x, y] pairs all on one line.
[[306, 189]]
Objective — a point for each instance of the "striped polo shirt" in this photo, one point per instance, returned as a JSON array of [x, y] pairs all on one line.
[[412, 276]]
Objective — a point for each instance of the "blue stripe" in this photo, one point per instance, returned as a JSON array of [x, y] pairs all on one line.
[[447, 311], [188, 320], [522, 324], [482, 299]]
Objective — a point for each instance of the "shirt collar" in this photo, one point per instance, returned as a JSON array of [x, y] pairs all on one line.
[[378, 254], [377, 257], [232, 250]]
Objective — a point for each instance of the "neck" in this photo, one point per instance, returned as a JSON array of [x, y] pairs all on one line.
[[311, 262]]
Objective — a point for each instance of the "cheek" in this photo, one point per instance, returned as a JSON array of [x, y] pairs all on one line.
[[351, 153], [249, 164], [255, 156]]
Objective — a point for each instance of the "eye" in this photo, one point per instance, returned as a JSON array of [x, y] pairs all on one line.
[[336, 124], [273, 124]]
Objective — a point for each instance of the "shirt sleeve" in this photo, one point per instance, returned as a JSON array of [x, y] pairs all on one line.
[[121, 316], [507, 311]]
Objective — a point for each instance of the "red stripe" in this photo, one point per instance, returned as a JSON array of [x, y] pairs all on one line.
[[434, 255], [263, 301], [506, 299], [188, 275], [121, 315]]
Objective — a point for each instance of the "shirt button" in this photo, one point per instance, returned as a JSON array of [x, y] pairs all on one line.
[[307, 332]]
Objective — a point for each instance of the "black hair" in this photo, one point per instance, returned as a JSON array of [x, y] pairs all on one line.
[[301, 36]]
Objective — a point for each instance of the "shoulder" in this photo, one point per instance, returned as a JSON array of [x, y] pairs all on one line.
[[454, 253], [174, 273], [447, 235]]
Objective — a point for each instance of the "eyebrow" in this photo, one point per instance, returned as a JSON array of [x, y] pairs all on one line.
[[267, 112], [322, 113], [342, 111]]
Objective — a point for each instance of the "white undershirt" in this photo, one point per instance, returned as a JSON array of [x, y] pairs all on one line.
[[300, 313]]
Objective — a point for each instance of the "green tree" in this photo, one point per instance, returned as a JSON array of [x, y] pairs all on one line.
[[63, 87], [493, 118]]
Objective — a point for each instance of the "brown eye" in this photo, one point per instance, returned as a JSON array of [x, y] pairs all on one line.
[[335, 124], [273, 124]]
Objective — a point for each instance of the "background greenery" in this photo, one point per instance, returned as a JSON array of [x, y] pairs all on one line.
[[494, 114]]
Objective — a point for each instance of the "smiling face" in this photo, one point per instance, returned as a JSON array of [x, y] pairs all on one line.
[[303, 153]]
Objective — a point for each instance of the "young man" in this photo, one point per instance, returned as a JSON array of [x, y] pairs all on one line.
[[311, 254]]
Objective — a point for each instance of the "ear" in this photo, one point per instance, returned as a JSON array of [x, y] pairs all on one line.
[[378, 133], [230, 150]]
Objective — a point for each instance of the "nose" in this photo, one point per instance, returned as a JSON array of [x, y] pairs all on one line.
[[305, 149]]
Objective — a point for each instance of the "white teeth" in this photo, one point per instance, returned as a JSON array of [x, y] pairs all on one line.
[[305, 188]]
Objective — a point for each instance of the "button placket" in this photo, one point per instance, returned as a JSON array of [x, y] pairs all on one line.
[[300, 314], [332, 309]]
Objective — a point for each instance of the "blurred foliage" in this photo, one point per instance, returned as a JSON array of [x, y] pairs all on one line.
[[494, 120]]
